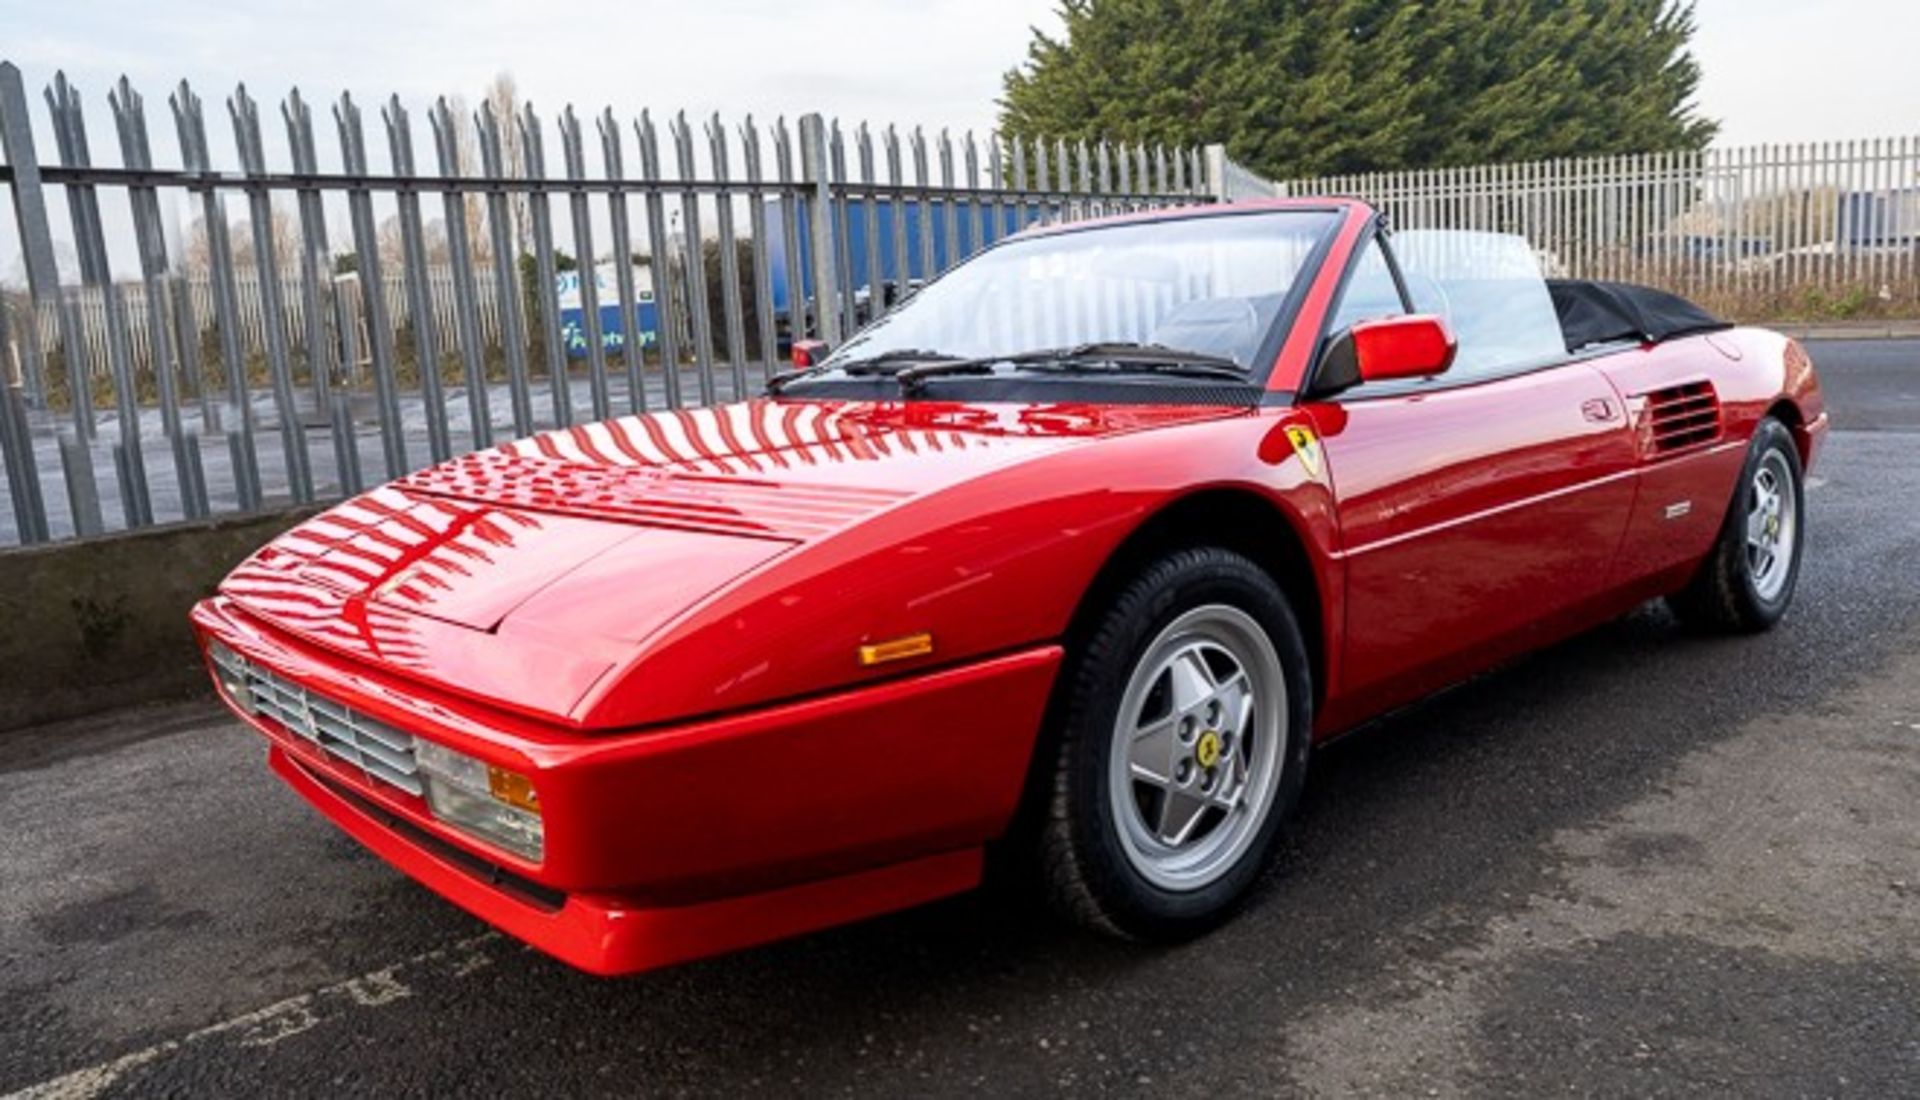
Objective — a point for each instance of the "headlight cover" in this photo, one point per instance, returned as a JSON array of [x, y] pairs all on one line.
[[483, 800]]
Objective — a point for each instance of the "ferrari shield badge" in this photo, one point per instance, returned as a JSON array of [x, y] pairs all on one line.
[[1207, 749], [1307, 446]]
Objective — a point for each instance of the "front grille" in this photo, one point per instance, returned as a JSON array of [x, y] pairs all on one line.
[[379, 750]]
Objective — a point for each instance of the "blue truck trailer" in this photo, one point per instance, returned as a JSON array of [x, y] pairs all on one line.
[[643, 329], [974, 226]]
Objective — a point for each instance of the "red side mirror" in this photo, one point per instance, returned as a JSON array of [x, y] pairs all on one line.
[[809, 353], [1418, 345]]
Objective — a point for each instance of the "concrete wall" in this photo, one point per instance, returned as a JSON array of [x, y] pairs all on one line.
[[101, 623]]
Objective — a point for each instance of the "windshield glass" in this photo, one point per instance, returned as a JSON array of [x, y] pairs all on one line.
[[1209, 286]]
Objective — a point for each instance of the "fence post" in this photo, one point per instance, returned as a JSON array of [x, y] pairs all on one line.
[[573, 157], [819, 206], [902, 265], [293, 432], [16, 451], [135, 152], [495, 164], [694, 257], [373, 291], [190, 121], [459, 208], [83, 203], [415, 279], [758, 229], [842, 228], [735, 321], [43, 284], [315, 264], [540, 209], [666, 295], [632, 341], [924, 182]]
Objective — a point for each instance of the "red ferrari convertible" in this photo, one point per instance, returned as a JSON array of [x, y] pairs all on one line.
[[1074, 556]]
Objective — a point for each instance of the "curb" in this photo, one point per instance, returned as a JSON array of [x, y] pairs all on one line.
[[1850, 330]]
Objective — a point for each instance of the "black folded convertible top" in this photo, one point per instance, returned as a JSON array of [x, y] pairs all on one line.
[[1594, 312]]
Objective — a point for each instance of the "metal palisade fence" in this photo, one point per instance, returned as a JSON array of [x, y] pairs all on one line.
[[1818, 230], [295, 318]]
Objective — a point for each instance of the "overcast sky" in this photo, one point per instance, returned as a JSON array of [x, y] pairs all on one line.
[[1776, 70]]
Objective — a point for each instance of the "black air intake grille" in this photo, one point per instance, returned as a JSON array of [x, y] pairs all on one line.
[[1682, 417]]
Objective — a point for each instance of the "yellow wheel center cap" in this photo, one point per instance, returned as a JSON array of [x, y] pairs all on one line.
[[1207, 749]]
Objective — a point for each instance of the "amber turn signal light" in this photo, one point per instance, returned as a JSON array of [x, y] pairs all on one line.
[[512, 788], [899, 649]]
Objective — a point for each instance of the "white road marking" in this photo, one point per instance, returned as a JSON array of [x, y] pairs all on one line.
[[376, 989], [263, 1027]]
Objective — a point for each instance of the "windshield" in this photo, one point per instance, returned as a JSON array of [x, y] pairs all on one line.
[[1206, 286]]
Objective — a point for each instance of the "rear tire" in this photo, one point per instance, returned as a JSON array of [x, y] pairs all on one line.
[[1748, 579], [1183, 741]]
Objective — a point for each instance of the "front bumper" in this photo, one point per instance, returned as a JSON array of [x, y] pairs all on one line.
[[677, 842]]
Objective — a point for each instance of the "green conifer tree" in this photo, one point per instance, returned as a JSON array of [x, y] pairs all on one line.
[[1311, 87]]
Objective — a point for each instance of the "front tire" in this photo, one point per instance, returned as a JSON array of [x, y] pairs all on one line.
[[1747, 581], [1183, 744]]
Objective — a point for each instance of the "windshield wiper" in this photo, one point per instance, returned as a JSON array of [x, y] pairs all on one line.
[[1118, 357], [892, 362], [886, 362], [1129, 353], [779, 381]]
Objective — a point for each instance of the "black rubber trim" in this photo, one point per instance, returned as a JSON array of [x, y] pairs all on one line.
[[1139, 389], [521, 889]]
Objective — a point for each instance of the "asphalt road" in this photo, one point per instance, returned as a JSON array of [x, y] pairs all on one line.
[[1640, 863]]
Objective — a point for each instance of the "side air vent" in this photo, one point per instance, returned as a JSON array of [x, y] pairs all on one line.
[[1682, 417]]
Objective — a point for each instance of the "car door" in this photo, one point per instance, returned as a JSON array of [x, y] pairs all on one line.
[[1477, 510]]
